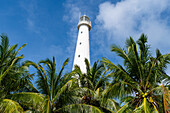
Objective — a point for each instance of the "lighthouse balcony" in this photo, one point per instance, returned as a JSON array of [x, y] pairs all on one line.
[[88, 23]]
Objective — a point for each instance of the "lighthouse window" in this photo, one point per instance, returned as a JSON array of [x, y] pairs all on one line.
[[80, 43], [86, 19], [81, 19], [78, 55], [81, 31]]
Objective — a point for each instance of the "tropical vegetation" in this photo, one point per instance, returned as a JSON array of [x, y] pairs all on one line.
[[139, 85]]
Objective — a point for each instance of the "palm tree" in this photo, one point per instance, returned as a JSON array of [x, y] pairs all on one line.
[[140, 78], [55, 87], [95, 76], [8, 57], [13, 76], [93, 86]]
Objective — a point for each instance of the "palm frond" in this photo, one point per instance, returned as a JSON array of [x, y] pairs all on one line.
[[66, 86], [123, 108], [3, 74], [74, 108], [30, 100], [10, 106], [42, 82], [112, 105], [120, 52]]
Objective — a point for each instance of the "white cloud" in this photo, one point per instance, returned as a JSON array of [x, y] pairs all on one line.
[[30, 14], [133, 17], [71, 17], [116, 22], [73, 13]]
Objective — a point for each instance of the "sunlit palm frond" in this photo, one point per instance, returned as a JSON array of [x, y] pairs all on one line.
[[32, 101], [123, 108], [3, 74], [10, 106]]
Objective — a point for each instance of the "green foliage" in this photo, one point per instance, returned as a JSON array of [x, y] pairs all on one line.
[[92, 87], [10, 106], [57, 87], [140, 76], [136, 83], [13, 76], [29, 100], [8, 58]]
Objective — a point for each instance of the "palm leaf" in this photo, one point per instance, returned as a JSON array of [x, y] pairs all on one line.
[[60, 73], [112, 105], [19, 49], [75, 108], [146, 105], [10, 106], [139, 109], [112, 66], [64, 88], [3, 74], [123, 108], [29, 99], [42, 82], [121, 53]]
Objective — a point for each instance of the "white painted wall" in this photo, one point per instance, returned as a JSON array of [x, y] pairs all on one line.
[[82, 47]]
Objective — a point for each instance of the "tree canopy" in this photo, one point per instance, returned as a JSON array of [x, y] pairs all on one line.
[[139, 84]]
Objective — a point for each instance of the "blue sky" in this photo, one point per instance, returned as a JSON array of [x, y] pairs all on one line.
[[50, 27]]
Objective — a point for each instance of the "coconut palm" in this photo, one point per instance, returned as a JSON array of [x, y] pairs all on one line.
[[56, 87], [51, 95], [95, 76], [92, 87], [140, 78], [13, 76], [8, 58]]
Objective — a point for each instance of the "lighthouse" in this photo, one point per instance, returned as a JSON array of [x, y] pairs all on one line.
[[82, 46]]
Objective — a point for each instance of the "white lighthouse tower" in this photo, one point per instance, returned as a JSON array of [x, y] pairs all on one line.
[[82, 47]]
